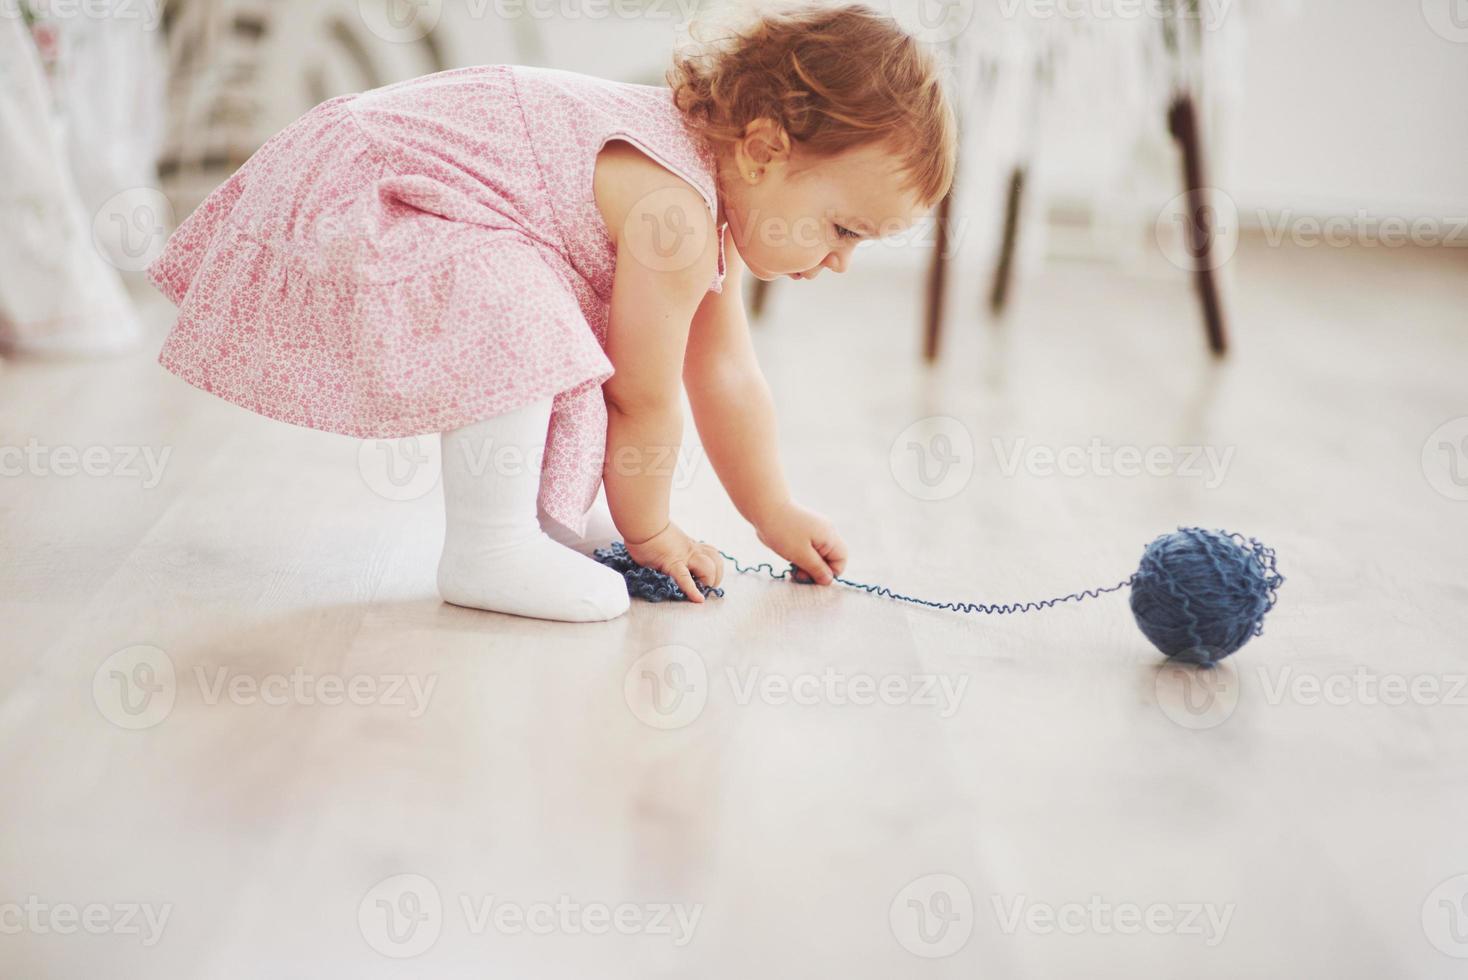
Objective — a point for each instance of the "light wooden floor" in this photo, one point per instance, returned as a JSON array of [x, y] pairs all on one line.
[[1059, 797]]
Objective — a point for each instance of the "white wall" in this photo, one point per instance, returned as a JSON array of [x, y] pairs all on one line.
[[1355, 104]]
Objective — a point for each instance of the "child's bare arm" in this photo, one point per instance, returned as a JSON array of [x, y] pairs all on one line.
[[731, 401], [735, 415], [666, 258]]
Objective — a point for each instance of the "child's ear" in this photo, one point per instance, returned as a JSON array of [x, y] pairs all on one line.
[[765, 142]]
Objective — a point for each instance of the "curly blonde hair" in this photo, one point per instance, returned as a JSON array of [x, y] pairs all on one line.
[[834, 76]]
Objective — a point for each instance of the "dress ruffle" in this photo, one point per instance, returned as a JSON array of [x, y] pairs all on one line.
[[453, 344]]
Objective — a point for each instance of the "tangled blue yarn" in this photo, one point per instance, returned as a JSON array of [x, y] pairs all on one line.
[[1200, 595], [646, 583]]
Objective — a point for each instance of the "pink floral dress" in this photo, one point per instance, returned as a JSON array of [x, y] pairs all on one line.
[[423, 256]]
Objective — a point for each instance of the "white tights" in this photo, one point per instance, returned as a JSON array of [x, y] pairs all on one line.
[[496, 555]]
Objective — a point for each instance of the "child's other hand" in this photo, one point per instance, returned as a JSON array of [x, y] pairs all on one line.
[[807, 539], [674, 553]]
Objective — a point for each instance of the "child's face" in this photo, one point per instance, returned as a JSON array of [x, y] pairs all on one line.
[[799, 215]]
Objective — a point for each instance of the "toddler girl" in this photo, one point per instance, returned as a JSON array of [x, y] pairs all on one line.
[[536, 260]]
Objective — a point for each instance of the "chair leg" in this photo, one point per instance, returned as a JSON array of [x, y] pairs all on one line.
[[1183, 122], [1004, 270], [937, 276]]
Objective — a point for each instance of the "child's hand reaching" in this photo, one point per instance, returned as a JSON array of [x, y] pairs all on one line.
[[807, 539], [674, 553]]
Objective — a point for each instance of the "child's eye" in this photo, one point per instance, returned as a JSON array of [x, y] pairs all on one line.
[[846, 232]]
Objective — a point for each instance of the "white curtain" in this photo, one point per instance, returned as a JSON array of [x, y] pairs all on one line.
[[57, 292]]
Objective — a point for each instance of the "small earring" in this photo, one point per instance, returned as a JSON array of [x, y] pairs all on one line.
[[752, 175]]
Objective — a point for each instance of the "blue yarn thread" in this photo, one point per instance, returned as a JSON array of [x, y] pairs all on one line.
[[1198, 595], [987, 609]]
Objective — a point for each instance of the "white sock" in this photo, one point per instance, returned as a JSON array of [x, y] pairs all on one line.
[[495, 555]]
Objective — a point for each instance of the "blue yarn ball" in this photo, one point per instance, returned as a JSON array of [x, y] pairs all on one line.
[[1200, 595]]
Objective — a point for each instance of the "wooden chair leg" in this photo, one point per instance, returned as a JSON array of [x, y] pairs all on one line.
[[937, 276], [1183, 122], [1004, 269]]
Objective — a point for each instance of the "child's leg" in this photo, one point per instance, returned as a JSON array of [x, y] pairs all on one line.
[[600, 530], [495, 555]]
